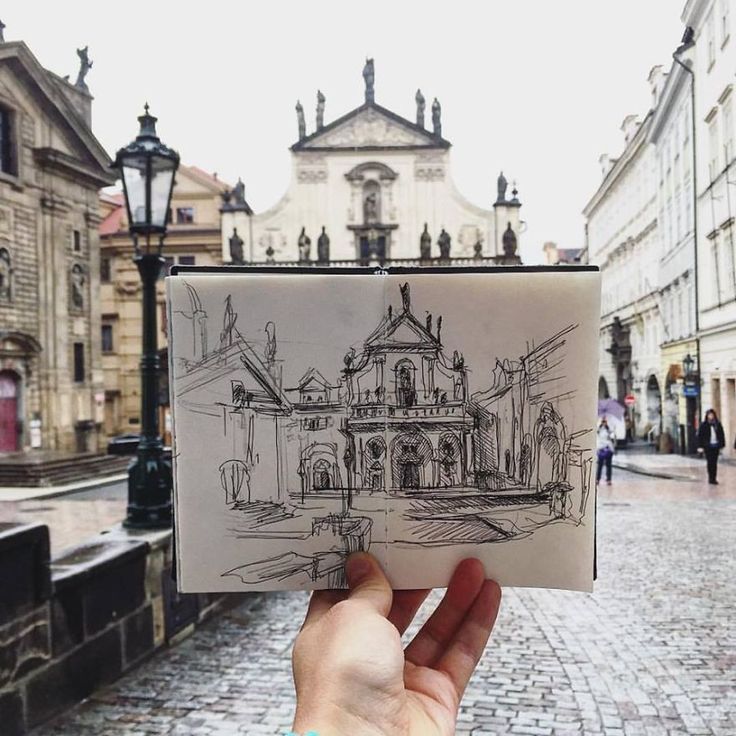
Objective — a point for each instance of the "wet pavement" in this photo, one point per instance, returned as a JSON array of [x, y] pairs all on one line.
[[71, 517], [651, 652]]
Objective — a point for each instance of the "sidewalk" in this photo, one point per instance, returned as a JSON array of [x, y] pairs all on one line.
[[670, 466]]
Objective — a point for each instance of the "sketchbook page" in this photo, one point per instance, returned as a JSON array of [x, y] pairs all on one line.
[[263, 368], [491, 393]]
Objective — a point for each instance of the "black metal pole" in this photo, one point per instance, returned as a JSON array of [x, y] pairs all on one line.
[[149, 474]]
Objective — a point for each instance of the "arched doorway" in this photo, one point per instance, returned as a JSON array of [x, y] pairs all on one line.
[[321, 479], [654, 406], [603, 392], [411, 454], [9, 406]]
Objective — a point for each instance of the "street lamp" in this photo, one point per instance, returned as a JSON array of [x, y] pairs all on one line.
[[147, 168], [688, 363]]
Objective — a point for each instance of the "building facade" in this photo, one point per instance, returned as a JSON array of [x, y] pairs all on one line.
[[714, 67], [51, 168], [623, 240], [372, 187], [193, 239], [671, 135]]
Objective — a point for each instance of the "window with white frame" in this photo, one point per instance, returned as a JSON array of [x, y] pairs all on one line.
[[729, 275], [710, 35], [713, 149], [725, 20], [727, 126], [716, 266]]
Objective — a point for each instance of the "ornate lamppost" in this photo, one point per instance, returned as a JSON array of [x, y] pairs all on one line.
[[691, 392], [147, 168]]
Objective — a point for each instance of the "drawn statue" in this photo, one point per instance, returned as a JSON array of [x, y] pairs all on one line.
[[419, 97], [320, 110], [436, 118], [84, 66], [2, 34], [509, 242], [300, 120], [405, 296], [369, 75], [478, 250], [236, 247], [305, 246], [444, 241], [270, 253], [502, 185], [323, 247], [270, 352], [78, 281], [425, 244], [370, 207]]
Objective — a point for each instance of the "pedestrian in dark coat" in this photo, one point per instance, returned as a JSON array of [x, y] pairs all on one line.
[[711, 440]]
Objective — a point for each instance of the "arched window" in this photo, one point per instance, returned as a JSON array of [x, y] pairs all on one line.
[[7, 143], [321, 479], [406, 394], [5, 274]]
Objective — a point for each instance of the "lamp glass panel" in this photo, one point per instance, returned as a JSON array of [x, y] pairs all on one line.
[[162, 177], [134, 177]]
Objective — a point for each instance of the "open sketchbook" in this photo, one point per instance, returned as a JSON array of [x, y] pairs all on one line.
[[423, 416]]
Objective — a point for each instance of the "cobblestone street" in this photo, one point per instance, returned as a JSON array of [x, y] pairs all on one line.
[[652, 651]]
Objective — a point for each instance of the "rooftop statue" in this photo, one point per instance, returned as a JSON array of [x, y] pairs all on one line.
[[436, 118], [320, 110], [300, 120], [84, 66], [369, 75], [419, 97]]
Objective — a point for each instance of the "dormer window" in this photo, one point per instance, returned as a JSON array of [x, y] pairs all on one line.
[[7, 158], [184, 215]]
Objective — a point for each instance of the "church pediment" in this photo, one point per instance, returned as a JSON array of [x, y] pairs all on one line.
[[370, 127]]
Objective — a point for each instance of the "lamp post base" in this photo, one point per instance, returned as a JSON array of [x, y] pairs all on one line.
[[149, 492]]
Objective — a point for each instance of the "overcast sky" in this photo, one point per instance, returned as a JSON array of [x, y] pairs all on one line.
[[537, 88]]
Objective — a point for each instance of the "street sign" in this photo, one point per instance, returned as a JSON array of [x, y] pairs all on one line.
[[690, 390], [629, 399]]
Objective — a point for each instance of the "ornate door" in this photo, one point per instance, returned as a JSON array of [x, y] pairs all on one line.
[[8, 412]]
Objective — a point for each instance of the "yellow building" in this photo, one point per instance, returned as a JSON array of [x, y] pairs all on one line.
[[194, 238]]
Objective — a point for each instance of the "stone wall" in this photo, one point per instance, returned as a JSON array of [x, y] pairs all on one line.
[[75, 623]]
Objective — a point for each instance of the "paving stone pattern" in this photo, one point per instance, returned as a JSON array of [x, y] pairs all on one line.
[[651, 653]]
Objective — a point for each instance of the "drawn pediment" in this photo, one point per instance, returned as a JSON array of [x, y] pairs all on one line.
[[370, 126]]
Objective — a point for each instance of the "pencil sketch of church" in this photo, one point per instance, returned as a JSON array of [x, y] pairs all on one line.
[[463, 457]]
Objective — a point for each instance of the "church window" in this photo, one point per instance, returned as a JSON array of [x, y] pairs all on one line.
[[78, 362], [7, 164], [76, 240], [5, 271], [105, 270], [107, 343], [321, 476]]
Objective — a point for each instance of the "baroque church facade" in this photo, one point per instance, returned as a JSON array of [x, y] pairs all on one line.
[[51, 168], [372, 187]]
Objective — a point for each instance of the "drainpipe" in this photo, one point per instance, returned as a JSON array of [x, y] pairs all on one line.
[[687, 43]]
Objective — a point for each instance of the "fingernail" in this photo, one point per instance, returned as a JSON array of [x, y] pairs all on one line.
[[357, 569]]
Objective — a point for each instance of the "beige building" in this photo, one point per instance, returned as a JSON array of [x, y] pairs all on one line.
[[51, 168], [193, 238]]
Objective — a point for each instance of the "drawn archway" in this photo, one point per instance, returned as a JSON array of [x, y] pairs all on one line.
[[449, 453], [318, 468], [411, 456], [374, 457]]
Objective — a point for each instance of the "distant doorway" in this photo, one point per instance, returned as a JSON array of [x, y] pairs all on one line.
[[8, 412]]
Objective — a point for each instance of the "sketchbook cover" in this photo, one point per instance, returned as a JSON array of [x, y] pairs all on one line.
[[423, 416]]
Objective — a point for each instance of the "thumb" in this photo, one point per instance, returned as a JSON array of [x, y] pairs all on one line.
[[368, 583]]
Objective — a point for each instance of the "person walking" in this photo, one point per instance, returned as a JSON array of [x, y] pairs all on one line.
[[605, 444], [711, 440]]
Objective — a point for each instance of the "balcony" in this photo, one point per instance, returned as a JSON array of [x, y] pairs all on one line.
[[457, 262], [390, 413]]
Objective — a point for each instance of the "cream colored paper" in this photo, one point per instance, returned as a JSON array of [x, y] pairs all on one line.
[[424, 417]]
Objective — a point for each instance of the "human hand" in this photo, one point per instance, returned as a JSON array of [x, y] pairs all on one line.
[[351, 673]]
